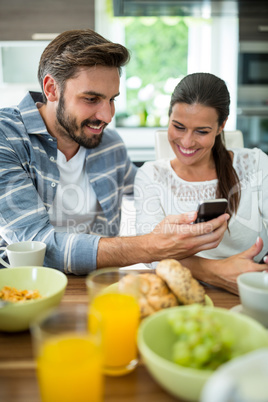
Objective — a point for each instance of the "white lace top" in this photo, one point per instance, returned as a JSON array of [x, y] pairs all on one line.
[[160, 192]]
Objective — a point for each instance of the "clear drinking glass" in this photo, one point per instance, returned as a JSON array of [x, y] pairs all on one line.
[[69, 356], [113, 295]]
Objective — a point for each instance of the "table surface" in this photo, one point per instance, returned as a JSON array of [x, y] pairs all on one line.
[[18, 381]]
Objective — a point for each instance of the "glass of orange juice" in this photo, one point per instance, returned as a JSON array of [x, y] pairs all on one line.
[[69, 356], [113, 295]]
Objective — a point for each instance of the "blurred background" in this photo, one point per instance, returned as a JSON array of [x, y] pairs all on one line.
[[167, 40]]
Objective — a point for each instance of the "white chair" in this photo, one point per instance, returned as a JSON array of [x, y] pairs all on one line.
[[233, 139]]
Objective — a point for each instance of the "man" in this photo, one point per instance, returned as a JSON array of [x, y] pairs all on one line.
[[63, 174]]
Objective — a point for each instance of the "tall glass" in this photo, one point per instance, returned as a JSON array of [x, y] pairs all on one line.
[[113, 295], [69, 356]]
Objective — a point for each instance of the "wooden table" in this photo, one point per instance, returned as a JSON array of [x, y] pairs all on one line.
[[18, 381]]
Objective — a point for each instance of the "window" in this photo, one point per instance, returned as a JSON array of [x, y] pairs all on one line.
[[179, 46], [159, 52], [159, 49]]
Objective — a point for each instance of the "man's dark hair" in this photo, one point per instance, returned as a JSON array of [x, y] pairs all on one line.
[[71, 50]]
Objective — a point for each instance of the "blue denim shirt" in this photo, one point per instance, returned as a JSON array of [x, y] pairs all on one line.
[[28, 183]]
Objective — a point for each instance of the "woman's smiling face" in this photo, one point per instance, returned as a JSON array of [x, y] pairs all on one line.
[[192, 131]]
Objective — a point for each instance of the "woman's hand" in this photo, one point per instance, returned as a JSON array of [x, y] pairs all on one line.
[[230, 268], [223, 273]]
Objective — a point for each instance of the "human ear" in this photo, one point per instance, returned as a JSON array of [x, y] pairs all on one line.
[[221, 127], [50, 88]]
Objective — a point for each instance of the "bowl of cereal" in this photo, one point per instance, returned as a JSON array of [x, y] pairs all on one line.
[[183, 346], [25, 292]]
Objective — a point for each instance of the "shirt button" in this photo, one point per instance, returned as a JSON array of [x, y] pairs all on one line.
[[52, 158], [50, 139], [53, 184]]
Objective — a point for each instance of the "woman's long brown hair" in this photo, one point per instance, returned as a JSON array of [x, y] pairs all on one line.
[[208, 90]]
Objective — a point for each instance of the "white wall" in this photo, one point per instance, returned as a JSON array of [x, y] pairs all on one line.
[[213, 48]]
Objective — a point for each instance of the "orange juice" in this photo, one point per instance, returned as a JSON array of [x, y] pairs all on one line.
[[69, 369], [120, 319]]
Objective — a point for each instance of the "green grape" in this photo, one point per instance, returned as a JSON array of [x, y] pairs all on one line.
[[194, 339], [177, 325], [202, 341], [227, 337], [181, 353], [191, 326], [201, 354]]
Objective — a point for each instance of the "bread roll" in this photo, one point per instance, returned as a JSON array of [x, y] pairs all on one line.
[[179, 279], [153, 293]]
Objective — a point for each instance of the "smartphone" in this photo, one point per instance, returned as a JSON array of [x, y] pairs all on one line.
[[211, 209]]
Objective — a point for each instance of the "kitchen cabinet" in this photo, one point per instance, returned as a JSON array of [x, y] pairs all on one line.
[[19, 20], [252, 120], [195, 8], [249, 28]]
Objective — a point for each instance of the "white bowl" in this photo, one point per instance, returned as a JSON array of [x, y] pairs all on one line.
[[243, 379], [253, 291]]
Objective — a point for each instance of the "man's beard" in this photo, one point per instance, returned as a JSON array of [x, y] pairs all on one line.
[[68, 127]]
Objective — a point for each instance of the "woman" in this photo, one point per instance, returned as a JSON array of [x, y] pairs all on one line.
[[204, 169]]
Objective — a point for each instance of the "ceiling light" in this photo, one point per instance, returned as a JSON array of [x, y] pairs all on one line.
[[263, 28], [44, 36]]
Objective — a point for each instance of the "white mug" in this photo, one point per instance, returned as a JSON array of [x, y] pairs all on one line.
[[24, 253]]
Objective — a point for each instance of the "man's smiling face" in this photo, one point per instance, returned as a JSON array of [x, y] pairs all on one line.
[[86, 106]]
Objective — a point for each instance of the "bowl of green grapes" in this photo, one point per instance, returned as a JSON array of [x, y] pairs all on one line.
[[183, 346]]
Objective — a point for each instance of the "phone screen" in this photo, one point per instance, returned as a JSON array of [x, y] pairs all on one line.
[[211, 209]]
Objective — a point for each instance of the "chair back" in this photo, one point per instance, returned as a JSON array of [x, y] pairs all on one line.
[[233, 139]]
